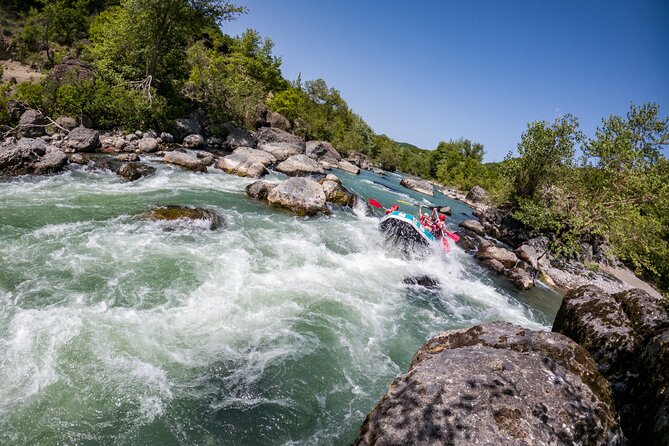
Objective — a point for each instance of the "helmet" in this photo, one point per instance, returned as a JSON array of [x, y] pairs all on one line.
[[442, 217]]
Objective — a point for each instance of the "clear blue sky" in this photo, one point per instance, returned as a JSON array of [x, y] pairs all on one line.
[[427, 71]]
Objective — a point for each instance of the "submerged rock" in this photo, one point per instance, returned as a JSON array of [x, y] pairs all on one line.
[[496, 384], [132, 171], [424, 281], [180, 214], [418, 184], [185, 160], [302, 196]]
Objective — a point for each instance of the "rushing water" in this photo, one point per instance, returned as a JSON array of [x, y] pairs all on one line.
[[273, 330]]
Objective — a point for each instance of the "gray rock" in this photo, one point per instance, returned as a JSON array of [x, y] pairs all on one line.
[[277, 120], [237, 137], [184, 127], [184, 160], [520, 278], [322, 151], [131, 137], [303, 196], [348, 167], [260, 189], [246, 162], [477, 195], [361, 160], [148, 145], [474, 226], [280, 144], [67, 122], [206, 158], [29, 156], [167, 138], [299, 165], [418, 184], [194, 141], [336, 193], [133, 171], [128, 157], [446, 210], [496, 384], [150, 134], [78, 158], [502, 255], [32, 124], [82, 139], [628, 336]]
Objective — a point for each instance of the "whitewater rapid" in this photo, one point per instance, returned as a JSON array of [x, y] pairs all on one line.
[[272, 330]]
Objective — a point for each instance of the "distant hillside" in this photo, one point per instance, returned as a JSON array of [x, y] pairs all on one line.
[[406, 145]]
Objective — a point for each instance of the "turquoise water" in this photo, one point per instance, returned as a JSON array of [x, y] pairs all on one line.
[[273, 330]]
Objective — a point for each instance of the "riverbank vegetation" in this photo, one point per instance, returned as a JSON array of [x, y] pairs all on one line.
[[143, 63]]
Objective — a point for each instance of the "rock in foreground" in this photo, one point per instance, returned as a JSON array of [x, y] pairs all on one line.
[[628, 336], [496, 384]]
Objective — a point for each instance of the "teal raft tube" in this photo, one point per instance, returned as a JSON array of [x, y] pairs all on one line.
[[405, 232]]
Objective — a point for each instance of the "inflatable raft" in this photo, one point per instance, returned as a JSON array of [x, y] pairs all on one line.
[[405, 231]]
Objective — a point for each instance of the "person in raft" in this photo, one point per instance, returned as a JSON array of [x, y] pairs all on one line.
[[424, 218], [392, 209], [437, 228]]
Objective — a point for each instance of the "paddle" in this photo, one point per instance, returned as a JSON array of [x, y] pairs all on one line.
[[375, 203], [453, 236]]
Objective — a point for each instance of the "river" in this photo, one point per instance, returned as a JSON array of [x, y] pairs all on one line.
[[273, 330]]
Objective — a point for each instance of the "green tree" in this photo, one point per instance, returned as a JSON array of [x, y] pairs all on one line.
[[546, 155], [149, 38]]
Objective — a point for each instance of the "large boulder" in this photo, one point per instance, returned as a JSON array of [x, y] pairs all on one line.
[[417, 184], [474, 226], [322, 151], [237, 137], [336, 193], [260, 189], [32, 124], [148, 145], [180, 217], [299, 165], [628, 336], [66, 123], [502, 255], [82, 139], [496, 384], [279, 143], [277, 120], [184, 160], [361, 160], [53, 161], [30, 156], [303, 196], [194, 141], [246, 162], [131, 171], [186, 126], [477, 195], [348, 167]]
